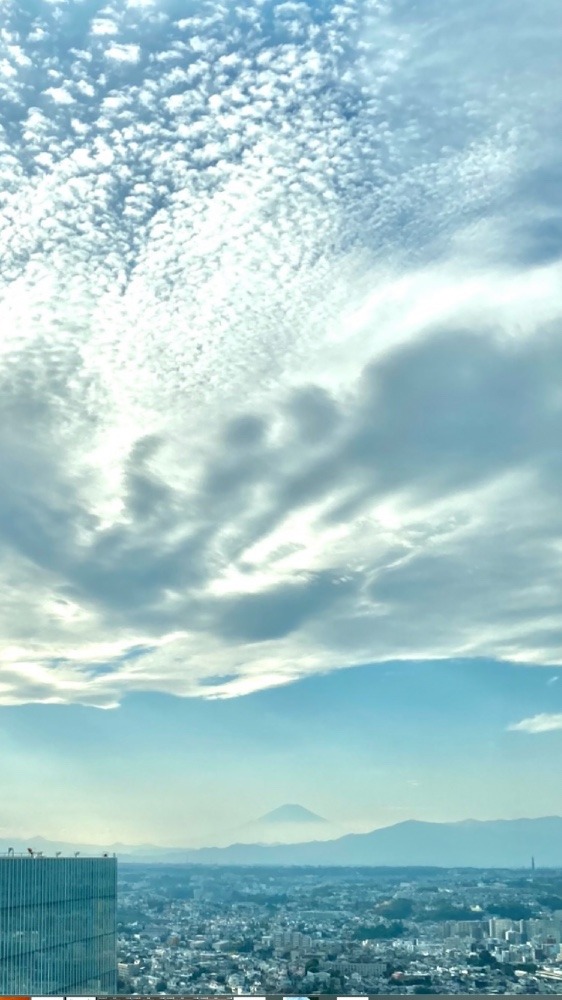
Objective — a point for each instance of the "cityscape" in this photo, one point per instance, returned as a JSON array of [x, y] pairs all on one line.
[[338, 931], [85, 925]]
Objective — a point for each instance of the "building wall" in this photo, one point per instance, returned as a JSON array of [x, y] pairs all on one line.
[[57, 925]]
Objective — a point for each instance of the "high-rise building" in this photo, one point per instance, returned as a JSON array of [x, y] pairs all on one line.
[[57, 925]]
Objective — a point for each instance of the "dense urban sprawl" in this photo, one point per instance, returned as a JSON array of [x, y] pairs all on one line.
[[189, 929]]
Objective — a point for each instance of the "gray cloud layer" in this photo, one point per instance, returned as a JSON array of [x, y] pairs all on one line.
[[280, 363]]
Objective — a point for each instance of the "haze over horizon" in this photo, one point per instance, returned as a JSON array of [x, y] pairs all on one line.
[[280, 413], [275, 839]]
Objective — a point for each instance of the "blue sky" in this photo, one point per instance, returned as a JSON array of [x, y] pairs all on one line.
[[363, 747], [280, 372]]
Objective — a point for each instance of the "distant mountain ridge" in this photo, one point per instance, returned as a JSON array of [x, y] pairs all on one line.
[[471, 843], [413, 843]]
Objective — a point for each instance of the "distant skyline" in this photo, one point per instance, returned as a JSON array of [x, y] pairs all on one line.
[[280, 413]]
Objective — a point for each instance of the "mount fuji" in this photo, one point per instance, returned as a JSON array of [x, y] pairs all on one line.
[[288, 824]]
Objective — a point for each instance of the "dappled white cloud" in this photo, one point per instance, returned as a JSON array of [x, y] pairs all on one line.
[[280, 363], [123, 53]]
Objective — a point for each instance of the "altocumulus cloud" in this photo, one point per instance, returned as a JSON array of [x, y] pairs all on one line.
[[280, 360]]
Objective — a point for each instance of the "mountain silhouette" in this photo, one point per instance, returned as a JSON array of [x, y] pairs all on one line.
[[288, 824], [471, 843], [465, 844], [291, 814]]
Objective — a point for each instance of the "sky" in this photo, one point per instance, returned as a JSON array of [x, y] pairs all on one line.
[[280, 413]]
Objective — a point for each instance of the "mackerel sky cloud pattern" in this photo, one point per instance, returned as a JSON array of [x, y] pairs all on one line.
[[280, 353]]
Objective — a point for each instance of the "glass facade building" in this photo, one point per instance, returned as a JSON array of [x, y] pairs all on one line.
[[57, 925]]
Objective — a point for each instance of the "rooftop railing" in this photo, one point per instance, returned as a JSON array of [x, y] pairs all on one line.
[[10, 853]]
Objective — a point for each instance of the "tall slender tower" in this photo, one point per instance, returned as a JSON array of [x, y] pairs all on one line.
[[532, 864], [57, 925]]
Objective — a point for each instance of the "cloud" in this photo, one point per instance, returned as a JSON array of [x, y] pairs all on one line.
[[122, 53], [280, 363], [539, 724]]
